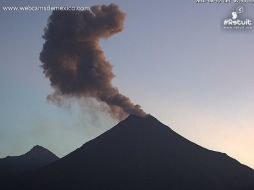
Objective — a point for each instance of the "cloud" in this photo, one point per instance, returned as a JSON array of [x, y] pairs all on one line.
[[74, 62]]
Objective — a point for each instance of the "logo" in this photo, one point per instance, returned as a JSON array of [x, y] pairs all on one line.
[[237, 21]]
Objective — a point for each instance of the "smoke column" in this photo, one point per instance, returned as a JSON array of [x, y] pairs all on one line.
[[74, 62]]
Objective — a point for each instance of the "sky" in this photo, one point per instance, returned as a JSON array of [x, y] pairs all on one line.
[[173, 58]]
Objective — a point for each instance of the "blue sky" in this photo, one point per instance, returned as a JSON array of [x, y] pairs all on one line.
[[173, 58]]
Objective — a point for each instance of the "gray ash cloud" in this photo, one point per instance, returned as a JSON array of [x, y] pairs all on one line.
[[74, 62]]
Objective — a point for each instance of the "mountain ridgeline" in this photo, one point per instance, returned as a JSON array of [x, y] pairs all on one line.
[[140, 153]]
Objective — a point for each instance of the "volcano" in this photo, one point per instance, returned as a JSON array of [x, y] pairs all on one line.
[[141, 153]]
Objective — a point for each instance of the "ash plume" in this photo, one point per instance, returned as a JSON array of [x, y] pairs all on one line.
[[74, 62]]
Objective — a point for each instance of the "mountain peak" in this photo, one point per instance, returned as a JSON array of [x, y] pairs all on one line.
[[144, 119], [40, 152], [37, 157], [142, 124], [136, 117], [38, 148]]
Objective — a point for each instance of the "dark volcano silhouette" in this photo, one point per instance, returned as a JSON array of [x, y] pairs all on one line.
[[140, 153]]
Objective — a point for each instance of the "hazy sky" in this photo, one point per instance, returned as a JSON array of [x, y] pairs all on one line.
[[173, 58]]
